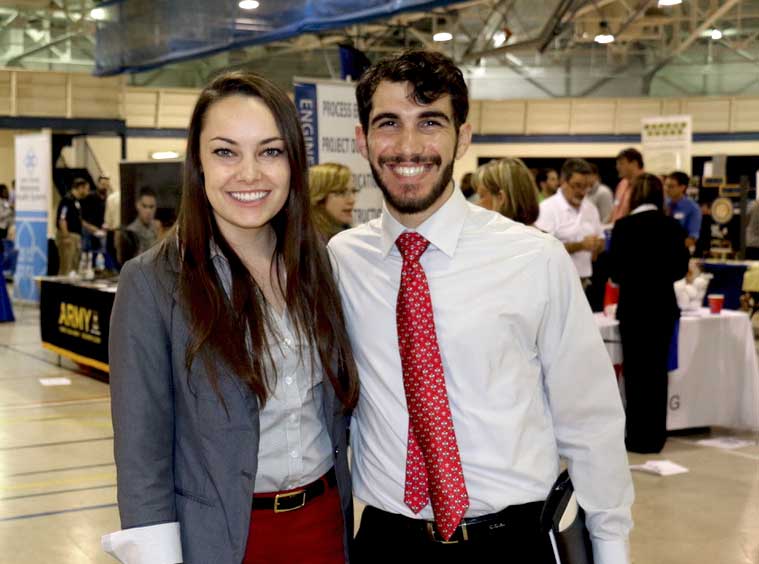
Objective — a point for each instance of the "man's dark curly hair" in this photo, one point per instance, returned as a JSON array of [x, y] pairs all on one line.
[[431, 75]]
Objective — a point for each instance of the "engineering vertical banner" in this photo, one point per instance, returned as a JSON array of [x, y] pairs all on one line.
[[329, 116], [33, 196]]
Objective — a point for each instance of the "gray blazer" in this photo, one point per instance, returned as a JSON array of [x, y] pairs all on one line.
[[179, 456]]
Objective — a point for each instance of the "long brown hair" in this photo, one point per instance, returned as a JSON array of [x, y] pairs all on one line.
[[233, 328], [323, 180]]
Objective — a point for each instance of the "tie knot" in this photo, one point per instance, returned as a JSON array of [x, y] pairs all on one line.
[[411, 245]]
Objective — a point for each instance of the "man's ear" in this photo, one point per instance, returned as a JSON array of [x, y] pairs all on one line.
[[465, 139], [361, 141]]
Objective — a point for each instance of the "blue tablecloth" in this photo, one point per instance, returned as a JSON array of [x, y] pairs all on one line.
[[728, 280]]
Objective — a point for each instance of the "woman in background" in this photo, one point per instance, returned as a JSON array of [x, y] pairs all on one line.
[[230, 362], [507, 187], [647, 255], [332, 198]]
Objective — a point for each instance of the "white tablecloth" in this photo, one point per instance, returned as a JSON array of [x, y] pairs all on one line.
[[717, 380]]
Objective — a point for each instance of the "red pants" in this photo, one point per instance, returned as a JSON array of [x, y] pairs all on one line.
[[310, 535]]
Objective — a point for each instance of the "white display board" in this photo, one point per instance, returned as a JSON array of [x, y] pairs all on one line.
[[329, 115], [666, 144], [33, 199]]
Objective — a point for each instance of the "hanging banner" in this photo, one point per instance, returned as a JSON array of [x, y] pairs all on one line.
[[33, 196], [666, 144], [329, 115]]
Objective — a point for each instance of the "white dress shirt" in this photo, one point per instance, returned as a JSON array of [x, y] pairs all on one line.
[[294, 446], [571, 225], [527, 374]]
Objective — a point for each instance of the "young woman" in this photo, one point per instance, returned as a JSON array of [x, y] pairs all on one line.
[[230, 363], [507, 187], [332, 197], [648, 254]]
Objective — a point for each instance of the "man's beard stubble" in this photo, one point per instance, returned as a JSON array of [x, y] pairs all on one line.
[[416, 205]]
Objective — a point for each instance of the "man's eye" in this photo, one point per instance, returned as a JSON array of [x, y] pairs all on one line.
[[387, 123]]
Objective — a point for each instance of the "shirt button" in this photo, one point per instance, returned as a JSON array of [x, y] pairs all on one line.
[[293, 454], [289, 380], [288, 341], [293, 417]]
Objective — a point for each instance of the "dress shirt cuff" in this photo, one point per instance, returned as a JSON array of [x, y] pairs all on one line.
[[611, 551], [155, 544]]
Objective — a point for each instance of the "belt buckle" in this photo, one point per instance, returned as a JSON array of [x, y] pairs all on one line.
[[279, 497], [432, 534]]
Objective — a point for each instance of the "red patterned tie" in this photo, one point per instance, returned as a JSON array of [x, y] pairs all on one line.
[[433, 464]]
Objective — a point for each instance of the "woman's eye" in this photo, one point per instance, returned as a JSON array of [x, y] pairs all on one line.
[[223, 152], [272, 152]]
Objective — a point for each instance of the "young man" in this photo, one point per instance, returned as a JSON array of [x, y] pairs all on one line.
[[69, 234], [600, 195], [629, 165], [572, 219], [142, 233], [547, 180], [682, 208], [93, 215], [479, 359]]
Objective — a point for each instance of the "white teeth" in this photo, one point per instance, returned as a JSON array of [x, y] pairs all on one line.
[[248, 196], [409, 170]]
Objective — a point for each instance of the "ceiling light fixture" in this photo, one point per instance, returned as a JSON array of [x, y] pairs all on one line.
[[97, 14], [163, 155], [665, 3], [604, 34], [716, 34], [249, 4], [441, 36]]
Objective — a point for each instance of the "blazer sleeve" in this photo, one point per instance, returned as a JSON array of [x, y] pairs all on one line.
[[142, 399], [615, 252], [680, 254]]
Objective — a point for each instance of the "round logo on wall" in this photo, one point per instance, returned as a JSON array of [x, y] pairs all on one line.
[[722, 210]]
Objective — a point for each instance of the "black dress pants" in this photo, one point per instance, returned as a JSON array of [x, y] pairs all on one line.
[[380, 542], [645, 346]]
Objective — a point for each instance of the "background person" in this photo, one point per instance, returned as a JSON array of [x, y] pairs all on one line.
[[573, 220], [507, 187], [647, 256], [6, 211], [600, 195], [144, 231], [333, 196], [547, 180], [93, 216], [229, 356], [68, 238], [629, 166], [682, 208]]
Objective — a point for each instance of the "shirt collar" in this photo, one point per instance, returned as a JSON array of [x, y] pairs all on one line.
[[643, 208], [441, 229], [565, 203]]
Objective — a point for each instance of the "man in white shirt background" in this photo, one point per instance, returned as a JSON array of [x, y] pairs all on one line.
[[510, 382], [572, 219]]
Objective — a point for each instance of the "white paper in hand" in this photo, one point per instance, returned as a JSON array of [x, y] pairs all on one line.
[[659, 467]]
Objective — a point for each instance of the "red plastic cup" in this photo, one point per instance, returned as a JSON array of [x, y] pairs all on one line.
[[715, 302]]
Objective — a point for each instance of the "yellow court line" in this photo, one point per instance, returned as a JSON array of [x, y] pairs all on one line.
[[59, 482], [55, 403], [77, 357]]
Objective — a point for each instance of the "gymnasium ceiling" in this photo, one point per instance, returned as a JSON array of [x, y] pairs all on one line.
[[508, 48]]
